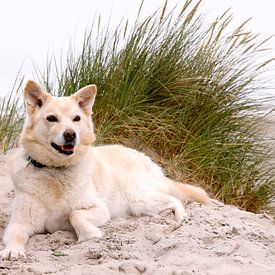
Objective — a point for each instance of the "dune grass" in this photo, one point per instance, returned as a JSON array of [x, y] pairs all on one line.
[[179, 90], [11, 118]]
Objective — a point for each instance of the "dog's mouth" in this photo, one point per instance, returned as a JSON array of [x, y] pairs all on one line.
[[66, 149]]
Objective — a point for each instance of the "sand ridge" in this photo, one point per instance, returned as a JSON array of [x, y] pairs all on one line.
[[214, 239]]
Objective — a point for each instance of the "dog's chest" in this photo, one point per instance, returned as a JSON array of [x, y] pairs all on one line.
[[67, 188], [58, 192]]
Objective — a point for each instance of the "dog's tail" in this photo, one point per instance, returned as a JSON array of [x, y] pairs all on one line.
[[185, 192]]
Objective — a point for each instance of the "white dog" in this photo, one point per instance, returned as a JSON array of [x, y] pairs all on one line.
[[62, 182]]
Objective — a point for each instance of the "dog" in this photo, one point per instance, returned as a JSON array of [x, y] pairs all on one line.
[[62, 182]]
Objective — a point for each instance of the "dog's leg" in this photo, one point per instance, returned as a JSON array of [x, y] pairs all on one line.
[[15, 238], [27, 218], [86, 221], [156, 204]]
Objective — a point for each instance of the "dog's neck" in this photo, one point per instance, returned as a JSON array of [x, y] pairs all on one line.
[[35, 163], [38, 164]]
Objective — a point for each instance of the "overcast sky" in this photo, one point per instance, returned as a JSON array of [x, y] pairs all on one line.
[[30, 30]]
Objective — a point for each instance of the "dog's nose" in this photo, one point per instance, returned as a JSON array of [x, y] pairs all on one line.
[[69, 136]]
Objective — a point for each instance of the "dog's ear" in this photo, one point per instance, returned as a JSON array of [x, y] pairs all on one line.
[[35, 96], [85, 98]]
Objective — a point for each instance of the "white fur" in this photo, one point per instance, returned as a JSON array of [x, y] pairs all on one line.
[[84, 190]]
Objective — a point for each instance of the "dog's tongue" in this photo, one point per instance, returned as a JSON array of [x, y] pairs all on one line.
[[68, 148]]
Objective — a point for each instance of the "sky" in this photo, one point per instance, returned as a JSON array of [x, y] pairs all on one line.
[[31, 31]]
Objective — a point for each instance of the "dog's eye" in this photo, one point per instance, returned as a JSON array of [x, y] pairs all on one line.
[[77, 118], [52, 118]]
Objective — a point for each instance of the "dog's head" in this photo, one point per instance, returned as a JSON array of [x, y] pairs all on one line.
[[58, 130]]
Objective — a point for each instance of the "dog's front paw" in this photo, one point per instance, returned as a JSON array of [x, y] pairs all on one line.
[[88, 235], [12, 253]]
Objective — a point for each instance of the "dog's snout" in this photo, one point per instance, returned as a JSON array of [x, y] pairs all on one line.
[[69, 136]]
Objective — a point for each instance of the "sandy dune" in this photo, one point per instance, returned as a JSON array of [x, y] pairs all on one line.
[[214, 239]]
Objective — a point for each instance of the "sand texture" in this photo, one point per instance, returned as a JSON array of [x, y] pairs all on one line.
[[214, 239]]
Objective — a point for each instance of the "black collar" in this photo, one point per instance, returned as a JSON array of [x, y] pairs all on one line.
[[35, 163]]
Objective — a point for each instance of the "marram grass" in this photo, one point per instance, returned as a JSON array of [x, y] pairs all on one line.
[[179, 90], [11, 118]]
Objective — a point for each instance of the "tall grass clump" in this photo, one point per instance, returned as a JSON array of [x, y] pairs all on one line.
[[11, 117], [179, 89]]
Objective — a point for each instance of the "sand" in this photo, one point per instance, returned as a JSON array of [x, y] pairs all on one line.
[[214, 239]]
